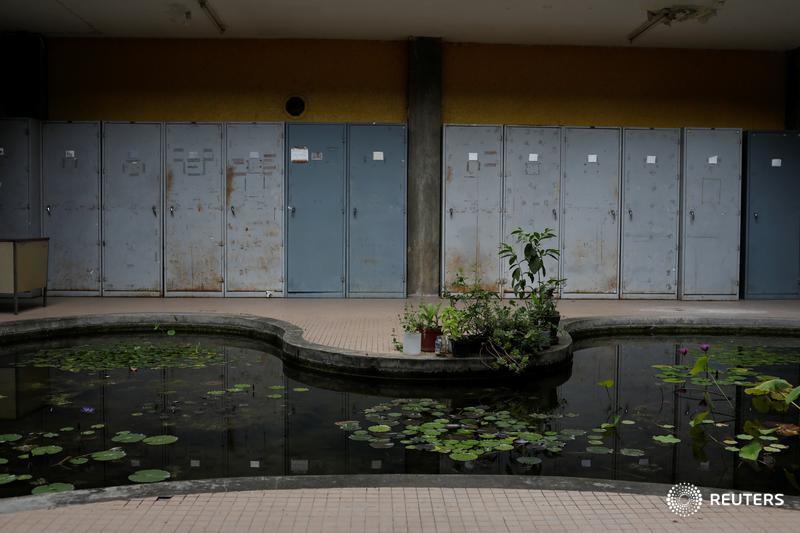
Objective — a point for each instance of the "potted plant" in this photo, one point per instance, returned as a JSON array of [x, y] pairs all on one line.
[[430, 325], [412, 336], [468, 321]]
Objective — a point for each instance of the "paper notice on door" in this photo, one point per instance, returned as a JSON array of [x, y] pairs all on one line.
[[591, 158], [533, 158], [254, 155], [777, 162], [299, 154], [377, 156], [472, 156], [713, 160], [651, 160], [69, 154]]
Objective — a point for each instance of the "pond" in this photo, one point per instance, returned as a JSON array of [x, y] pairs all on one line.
[[114, 410]]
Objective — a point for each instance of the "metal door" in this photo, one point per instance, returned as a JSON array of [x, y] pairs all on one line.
[[254, 209], [19, 179], [710, 218], [377, 205], [315, 210], [193, 222], [71, 198], [651, 199], [532, 167], [132, 209], [590, 229], [773, 215], [473, 191]]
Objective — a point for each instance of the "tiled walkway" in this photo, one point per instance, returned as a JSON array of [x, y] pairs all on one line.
[[434, 510], [366, 325]]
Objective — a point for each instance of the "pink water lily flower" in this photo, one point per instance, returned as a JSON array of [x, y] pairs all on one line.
[[683, 351], [704, 347]]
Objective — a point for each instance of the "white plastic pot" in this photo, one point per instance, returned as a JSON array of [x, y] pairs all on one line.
[[412, 342]]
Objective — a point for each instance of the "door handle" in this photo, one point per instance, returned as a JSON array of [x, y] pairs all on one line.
[[756, 215], [691, 213], [630, 213], [555, 214], [451, 212], [613, 214], [355, 212], [233, 211], [49, 213], [172, 210], [155, 214], [291, 209]]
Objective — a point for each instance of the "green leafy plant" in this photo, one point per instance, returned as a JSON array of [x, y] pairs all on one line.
[[409, 320], [429, 316]]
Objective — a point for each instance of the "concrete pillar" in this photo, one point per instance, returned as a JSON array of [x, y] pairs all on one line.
[[793, 89], [424, 165]]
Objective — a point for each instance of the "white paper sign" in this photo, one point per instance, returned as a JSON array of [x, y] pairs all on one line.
[[377, 156], [777, 162], [192, 155], [591, 158], [712, 160], [254, 155], [473, 156], [533, 157], [70, 154], [651, 160], [299, 155]]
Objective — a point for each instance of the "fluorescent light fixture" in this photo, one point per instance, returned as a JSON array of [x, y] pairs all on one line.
[[212, 15]]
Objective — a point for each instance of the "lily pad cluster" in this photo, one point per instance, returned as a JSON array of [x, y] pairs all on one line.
[[96, 357]]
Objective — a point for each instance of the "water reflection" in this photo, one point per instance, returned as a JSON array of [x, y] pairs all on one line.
[[249, 433]]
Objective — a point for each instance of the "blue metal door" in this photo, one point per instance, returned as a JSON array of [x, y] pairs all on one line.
[[193, 247], [377, 201], [773, 215], [651, 196], [132, 209], [315, 205], [71, 194], [20, 200]]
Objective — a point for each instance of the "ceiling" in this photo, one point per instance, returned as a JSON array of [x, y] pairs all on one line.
[[739, 24]]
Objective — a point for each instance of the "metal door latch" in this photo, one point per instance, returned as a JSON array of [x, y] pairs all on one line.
[[233, 211], [630, 213], [355, 212], [613, 214], [172, 210], [155, 214], [451, 212], [691, 213], [49, 212], [291, 209], [555, 214], [756, 215]]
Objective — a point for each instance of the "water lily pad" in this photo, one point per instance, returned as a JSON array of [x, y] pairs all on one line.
[[66, 429], [306, 389], [137, 413], [730, 442], [10, 437], [50, 435], [599, 450], [277, 387], [731, 448], [529, 460], [108, 455], [348, 425], [771, 449], [88, 432], [632, 452], [360, 437], [79, 460], [463, 456], [53, 487], [149, 476], [573, 432], [596, 442], [97, 426], [215, 392], [46, 450], [274, 396], [744, 436], [666, 439], [3, 461], [503, 447], [158, 440], [629, 422], [380, 428], [24, 477], [7, 478], [128, 437], [381, 444]]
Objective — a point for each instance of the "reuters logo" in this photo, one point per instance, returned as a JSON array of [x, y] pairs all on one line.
[[684, 499]]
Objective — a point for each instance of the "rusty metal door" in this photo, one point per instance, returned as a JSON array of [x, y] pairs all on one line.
[[773, 215], [20, 200], [473, 189], [651, 199], [315, 218], [193, 222], [71, 199], [532, 167], [711, 214], [132, 210], [254, 209], [590, 229], [376, 249]]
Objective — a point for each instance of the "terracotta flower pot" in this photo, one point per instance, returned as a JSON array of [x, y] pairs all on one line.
[[429, 339]]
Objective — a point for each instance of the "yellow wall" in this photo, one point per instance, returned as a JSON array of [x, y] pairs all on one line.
[[363, 81], [613, 86], [247, 80]]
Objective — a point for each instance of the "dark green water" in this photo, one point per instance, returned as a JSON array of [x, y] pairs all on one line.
[[275, 420]]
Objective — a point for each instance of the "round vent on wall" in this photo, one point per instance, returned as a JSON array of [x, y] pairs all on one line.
[[295, 106]]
